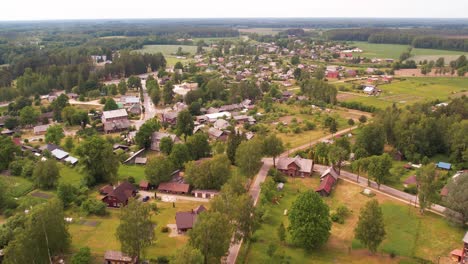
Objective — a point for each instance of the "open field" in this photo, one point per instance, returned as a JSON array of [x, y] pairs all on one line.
[[410, 90], [70, 175], [410, 234], [102, 236], [16, 186], [393, 51], [262, 31], [168, 50]]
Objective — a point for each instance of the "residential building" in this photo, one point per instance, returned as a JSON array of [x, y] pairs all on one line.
[[295, 167], [327, 180], [186, 220], [115, 120], [119, 196]]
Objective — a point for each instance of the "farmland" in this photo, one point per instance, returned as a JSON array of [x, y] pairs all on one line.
[[408, 231], [410, 90], [393, 51], [168, 51]]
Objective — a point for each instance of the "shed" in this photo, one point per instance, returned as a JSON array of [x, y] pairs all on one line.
[[141, 161], [71, 160], [444, 165], [280, 186], [59, 154]]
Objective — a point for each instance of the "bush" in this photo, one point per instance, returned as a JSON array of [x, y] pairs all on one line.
[[340, 214], [164, 229], [93, 206], [82, 257], [162, 260], [412, 189], [16, 167], [276, 175]]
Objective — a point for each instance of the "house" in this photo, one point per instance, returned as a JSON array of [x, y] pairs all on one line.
[[128, 101], [296, 166], [156, 138], [215, 116], [411, 180], [141, 161], [115, 120], [119, 196], [145, 185], [174, 187], [134, 109], [106, 189], [71, 160], [169, 117], [186, 220], [207, 194], [49, 147], [59, 154], [327, 180], [332, 74], [444, 165], [221, 124], [40, 130], [117, 257], [217, 134], [369, 90]]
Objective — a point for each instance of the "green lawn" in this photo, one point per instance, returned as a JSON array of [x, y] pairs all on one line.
[[17, 186], [413, 89], [409, 233], [102, 237], [394, 51], [70, 175], [136, 171]]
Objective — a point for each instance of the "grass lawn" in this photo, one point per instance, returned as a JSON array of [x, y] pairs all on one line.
[[168, 51], [17, 186], [411, 90], [136, 171], [394, 51], [409, 233], [102, 237], [70, 175]]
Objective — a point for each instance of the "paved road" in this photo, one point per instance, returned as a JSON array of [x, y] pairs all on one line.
[[150, 110]]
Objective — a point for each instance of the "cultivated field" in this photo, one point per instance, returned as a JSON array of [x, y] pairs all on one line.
[[409, 233], [393, 51]]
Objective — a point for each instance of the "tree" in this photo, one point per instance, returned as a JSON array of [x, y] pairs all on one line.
[[122, 87], [234, 140], [44, 235], [188, 255], [198, 146], [248, 156], [351, 122], [281, 232], [165, 145], [134, 82], [68, 145], [295, 60], [457, 198], [362, 119], [370, 229], [168, 93], [135, 231], [110, 105], [427, 188], [66, 192], [210, 173], [143, 136], [82, 257], [28, 116], [273, 147], [46, 174], [211, 235], [440, 63], [379, 167], [179, 155], [159, 169], [8, 151], [98, 160], [179, 65], [371, 139], [310, 222], [54, 134], [184, 124]]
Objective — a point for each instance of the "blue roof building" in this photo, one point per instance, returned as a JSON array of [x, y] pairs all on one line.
[[444, 165]]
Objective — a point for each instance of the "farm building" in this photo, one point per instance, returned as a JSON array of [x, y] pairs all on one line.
[[119, 196], [327, 180], [208, 194], [296, 166], [174, 187]]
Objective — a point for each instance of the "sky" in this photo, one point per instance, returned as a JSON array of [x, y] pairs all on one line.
[[108, 9]]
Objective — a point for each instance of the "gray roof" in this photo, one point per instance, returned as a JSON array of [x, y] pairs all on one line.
[[71, 160], [465, 238], [305, 165], [221, 124], [115, 113], [59, 154], [215, 132], [41, 128], [330, 171], [157, 136]]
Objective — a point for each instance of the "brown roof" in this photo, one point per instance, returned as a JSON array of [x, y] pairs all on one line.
[[117, 256], [186, 220], [144, 184], [326, 184], [106, 189], [123, 192], [199, 209], [173, 187], [305, 165], [411, 180]]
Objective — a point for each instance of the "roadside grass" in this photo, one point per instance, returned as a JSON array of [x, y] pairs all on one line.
[[411, 90], [409, 233], [136, 171], [101, 237], [393, 51]]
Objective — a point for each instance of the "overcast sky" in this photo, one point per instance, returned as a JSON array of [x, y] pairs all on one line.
[[92, 9]]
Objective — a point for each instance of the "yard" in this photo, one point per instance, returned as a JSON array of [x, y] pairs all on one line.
[[411, 90], [98, 233], [409, 234], [135, 171], [393, 51], [168, 51]]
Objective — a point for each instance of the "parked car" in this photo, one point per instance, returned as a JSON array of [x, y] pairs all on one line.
[[146, 198]]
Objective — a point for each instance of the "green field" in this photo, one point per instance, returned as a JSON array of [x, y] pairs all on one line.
[[16, 186], [393, 51], [410, 234], [70, 175], [135, 171], [262, 31], [168, 50], [101, 237], [411, 90]]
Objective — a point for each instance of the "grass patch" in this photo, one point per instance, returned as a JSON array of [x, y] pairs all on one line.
[[17, 186], [137, 172], [70, 175]]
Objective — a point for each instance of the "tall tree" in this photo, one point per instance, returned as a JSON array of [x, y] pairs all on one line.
[[110, 105], [234, 140], [44, 235], [427, 188], [159, 169], [184, 125], [457, 198], [8, 150], [208, 174], [379, 167], [273, 147], [144, 134], [211, 235], [135, 231], [165, 145], [168, 93], [46, 174], [134, 82], [198, 146], [188, 255], [54, 134], [122, 87], [310, 222], [100, 163], [370, 229], [372, 139], [249, 156], [179, 155], [28, 116]]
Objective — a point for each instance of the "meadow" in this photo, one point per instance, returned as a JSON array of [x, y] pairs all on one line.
[[411, 90], [393, 51], [411, 236], [168, 51]]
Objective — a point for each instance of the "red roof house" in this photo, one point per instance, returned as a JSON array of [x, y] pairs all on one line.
[[119, 196], [332, 74], [174, 187], [327, 180], [186, 220]]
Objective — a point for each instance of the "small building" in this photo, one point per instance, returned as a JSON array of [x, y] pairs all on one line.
[[221, 124], [117, 257], [119, 196], [294, 167], [369, 90], [71, 160], [115, 120], [156, 138], [174, 188], [106, 189], [207, 194], [186, 220], [169, 118], [140, 161], [332, 74], [444, 165], [327, 180], [40, 130], [59, 154], [217, 134], [144, 185]]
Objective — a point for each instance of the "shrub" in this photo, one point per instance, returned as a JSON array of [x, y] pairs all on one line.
[[340, 214], [164, 229], [162, 260], [93, 206], [412, 189]]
